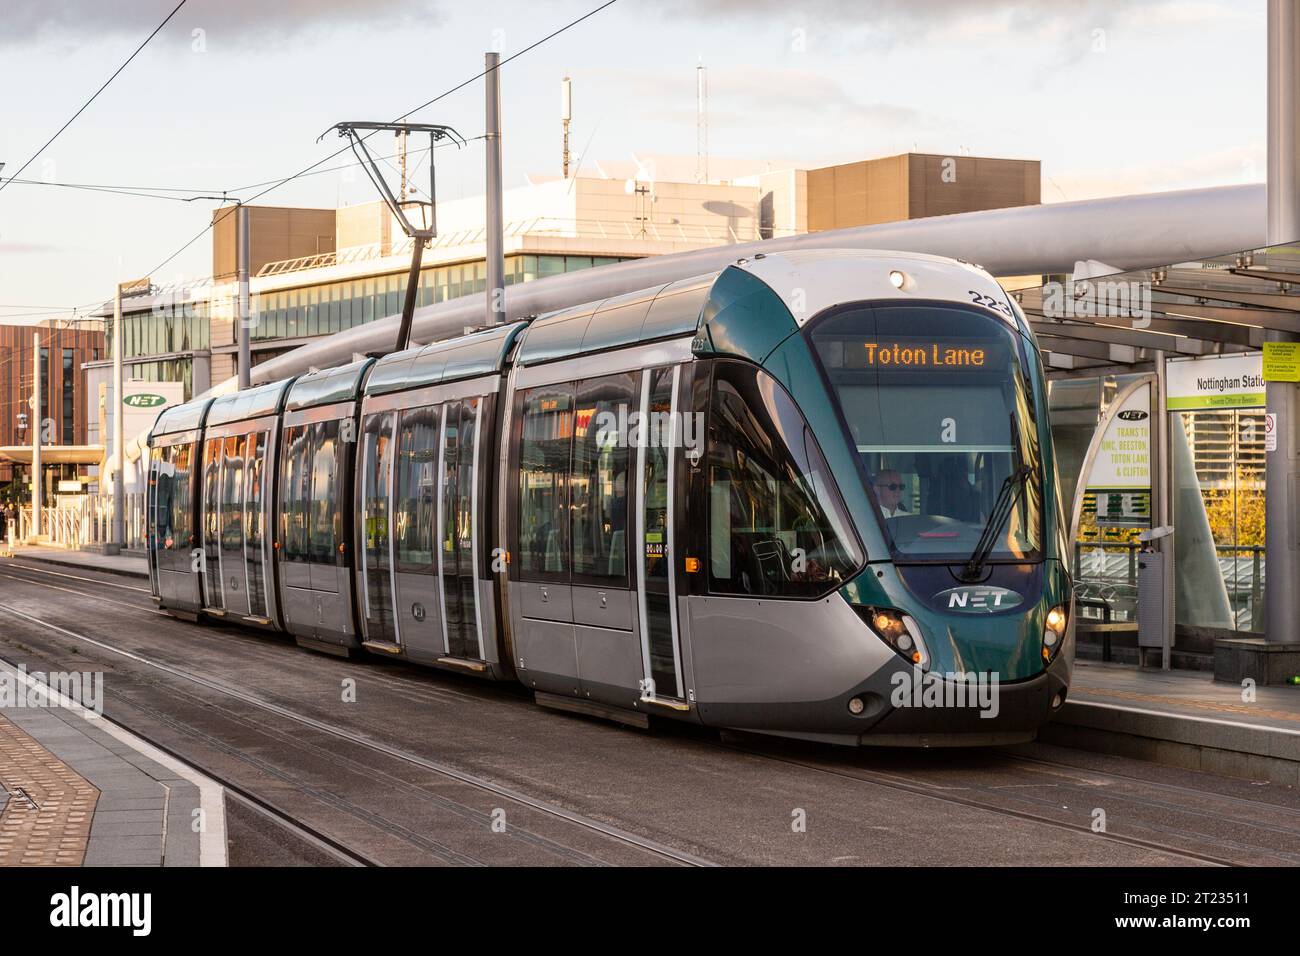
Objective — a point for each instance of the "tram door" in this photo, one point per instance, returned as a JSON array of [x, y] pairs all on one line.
[[234, 569], [212, 595], [416, 585], [458, 527], [376, 490], [661, 438], [254, 520]]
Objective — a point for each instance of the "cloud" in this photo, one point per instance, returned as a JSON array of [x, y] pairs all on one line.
[[1241, 164], [1068, 30], [245, 22], [28, 248], [749, 98]]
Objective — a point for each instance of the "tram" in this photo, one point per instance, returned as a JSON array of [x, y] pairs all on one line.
[[812, 494]]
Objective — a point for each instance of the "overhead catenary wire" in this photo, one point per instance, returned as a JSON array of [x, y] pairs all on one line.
[[313, 168], [95, 95], [191, 193], [276, 184]]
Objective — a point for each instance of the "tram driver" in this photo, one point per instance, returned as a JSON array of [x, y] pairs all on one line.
[[889, 488]]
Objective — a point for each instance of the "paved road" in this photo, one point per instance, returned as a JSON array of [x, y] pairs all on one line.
[[423, 767]]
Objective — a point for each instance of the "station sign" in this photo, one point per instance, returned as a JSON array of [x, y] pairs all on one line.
[[1219, 381], [1118, 491]]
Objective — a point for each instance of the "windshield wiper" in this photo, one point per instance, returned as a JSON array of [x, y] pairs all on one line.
[[1008, 495]]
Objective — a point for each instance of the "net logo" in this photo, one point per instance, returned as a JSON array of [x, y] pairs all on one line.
[[143, 400], [978, 600]]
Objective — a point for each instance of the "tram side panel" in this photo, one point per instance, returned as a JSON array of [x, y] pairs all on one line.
[[592, 530], [237, 512], [314, 522], [422, 559], [175, 494]]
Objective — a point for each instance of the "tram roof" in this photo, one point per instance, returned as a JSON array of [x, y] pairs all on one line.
[[329, 385], [479, 353], [647, 315], [182, 418], [250, 403]]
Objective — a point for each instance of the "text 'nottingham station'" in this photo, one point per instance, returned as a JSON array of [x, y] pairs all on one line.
[[686, 501]]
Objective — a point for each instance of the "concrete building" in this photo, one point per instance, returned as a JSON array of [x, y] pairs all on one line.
[[318, 271], [65, 349]]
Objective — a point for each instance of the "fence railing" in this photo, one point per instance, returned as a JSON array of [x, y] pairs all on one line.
[[86, 521], [1105, 576]]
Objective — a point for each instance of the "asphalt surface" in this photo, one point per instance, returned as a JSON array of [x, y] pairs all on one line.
[[423, 767]]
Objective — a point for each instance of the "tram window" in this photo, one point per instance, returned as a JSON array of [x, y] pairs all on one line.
[[600, 485], [161, 472], [465, 478], [181, 527], [253, 490], [232, 495], [326, 515], [296, 491], [544, 451], [417, 462], [254, 465], [937, 406], [777, 525]]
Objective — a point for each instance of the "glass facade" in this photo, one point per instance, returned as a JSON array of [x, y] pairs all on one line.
[[68, 429], [184, 328], [315, 310], [332, 307], [165, 370]]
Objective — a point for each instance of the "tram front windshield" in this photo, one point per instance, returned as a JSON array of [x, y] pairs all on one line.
[[939, 411]]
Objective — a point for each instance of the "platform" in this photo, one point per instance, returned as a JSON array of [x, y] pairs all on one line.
[[131, 564], [76, 789], [1184, 719]]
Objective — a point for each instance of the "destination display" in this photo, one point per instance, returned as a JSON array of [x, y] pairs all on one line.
[[937, 354]]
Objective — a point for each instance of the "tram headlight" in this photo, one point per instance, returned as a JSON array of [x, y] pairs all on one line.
[[1054, 631], [900, 632]]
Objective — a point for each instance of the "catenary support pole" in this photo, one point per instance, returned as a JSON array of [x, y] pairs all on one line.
[[118, 535], [1281, 554], [244, 318], [496, 267], [38, 426]]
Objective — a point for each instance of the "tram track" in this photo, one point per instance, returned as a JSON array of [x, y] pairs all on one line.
[[918, 787], [984, 799], [657, 851], [415, 690]]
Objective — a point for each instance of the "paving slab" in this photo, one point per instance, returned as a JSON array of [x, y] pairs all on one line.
[[1182, 718], [76, 789], [130, 565]]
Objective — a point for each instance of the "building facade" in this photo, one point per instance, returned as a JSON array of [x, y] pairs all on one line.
[[65, 349], [315, 272]]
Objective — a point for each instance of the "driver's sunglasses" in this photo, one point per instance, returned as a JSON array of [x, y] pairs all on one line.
[[896, 486]]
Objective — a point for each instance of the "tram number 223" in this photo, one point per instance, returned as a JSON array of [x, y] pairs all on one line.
[[979, 298]]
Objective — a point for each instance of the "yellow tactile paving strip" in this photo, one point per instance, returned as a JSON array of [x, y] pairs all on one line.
[[56, 830], [1246, 710]]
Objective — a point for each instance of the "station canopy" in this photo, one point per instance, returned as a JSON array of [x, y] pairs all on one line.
[[54, 454], [1115, 322]]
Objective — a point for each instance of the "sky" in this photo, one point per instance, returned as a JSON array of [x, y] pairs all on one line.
[[1114, 98]]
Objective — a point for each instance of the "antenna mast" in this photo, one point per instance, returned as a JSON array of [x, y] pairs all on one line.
[[566, 114], [701, 124]]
